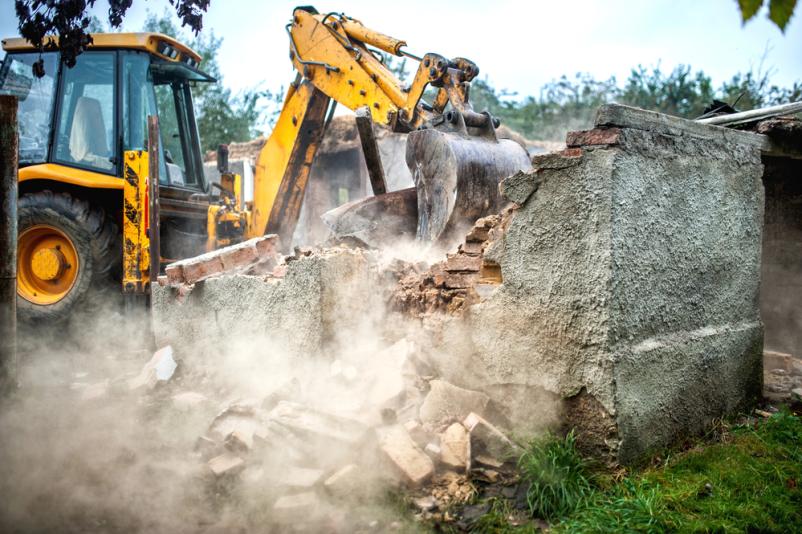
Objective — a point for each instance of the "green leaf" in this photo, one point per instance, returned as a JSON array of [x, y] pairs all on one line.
[[780, 12], [749, 8]]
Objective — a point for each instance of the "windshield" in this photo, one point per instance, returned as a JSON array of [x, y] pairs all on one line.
[[179, 131], [35, 101]]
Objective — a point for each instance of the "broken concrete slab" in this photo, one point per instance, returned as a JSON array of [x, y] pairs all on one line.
[[226, 464], [159, 369], [411, 463], [455, 447], [446, 402], [486, 437], [345, 482]]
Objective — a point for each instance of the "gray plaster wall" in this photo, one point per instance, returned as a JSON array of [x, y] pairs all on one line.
[[631, 274], [321, 297]]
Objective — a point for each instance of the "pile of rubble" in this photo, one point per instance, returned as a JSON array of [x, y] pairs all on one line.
[[453, 284], [404, 429]]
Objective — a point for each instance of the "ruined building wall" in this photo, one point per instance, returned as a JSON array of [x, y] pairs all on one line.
[[781, 290]]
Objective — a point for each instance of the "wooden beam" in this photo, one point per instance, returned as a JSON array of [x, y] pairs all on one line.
[[370, 148]]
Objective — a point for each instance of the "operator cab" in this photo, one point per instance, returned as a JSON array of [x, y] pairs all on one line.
[[86, 116]]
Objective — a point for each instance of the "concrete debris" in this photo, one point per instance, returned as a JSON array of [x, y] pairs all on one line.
[[226, 464], [455, 447], [487, 461], [298, 507], [488, 438], [411, 463], [418, 434], [160, 368], [433, 450], [317, 424], [206, 447], [239, 441], [446, 403], [345, 481], [797, 392], [245, 424], [227, 260]]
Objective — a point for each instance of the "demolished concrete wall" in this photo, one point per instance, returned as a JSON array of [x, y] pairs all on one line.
[[623, 280], [630, 275]]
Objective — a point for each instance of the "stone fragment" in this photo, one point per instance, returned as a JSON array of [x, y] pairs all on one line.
[[455, 448], [486, 437], [446, 402], [206, 447], [797, 392], [299, 508], [226, 464], [433, 451], [417, 433], [160, 368], [487, 461], [411, 463], [345, 481], [239, 441]]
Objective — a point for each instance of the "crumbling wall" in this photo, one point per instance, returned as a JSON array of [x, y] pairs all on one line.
[[630, 274]]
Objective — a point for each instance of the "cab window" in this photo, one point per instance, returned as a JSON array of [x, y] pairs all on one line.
[[85, 126], [35, 101]]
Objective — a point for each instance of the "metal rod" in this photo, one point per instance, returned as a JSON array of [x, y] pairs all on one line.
[[754, 114], [153, 198], [370, 148], [8, 243]]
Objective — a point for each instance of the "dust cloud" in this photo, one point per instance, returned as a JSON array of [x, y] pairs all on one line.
[[88, 448]]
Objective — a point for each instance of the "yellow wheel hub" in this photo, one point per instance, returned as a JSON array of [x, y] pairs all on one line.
[[47, 264]]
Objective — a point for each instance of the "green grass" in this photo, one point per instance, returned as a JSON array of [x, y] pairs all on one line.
[[559, 478], [747, 483]]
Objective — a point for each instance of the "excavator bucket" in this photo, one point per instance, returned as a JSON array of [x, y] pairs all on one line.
[[456, 167]]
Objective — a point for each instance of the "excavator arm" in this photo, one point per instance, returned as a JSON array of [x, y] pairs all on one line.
[[335, 59]]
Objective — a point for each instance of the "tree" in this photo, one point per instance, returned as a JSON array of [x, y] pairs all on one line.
[[70, 22], [222, 117], [780, 11]]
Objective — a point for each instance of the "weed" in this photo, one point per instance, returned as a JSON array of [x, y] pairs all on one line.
[[557, 475]]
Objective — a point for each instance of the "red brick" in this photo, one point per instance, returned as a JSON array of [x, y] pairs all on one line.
[[471, 248], [267, 246], [238, 256], [174, 273], [462, 263], [201, 268], [597, 136]]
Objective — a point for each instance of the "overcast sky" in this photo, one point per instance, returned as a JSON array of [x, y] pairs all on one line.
[[519, 46]]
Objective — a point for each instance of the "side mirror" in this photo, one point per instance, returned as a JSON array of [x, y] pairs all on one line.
[[222, 159]]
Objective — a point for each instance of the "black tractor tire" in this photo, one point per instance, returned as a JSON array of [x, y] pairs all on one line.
[[95, 237]]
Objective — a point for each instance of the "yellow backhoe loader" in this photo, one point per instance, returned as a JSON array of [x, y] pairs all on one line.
[[84, 167]]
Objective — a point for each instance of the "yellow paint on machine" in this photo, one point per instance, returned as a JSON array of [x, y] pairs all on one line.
[[136, 244]]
